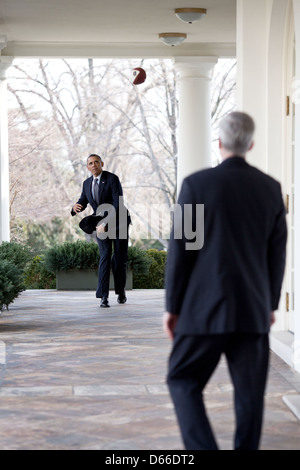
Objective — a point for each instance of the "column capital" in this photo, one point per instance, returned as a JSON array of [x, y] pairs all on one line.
[[195, 67], [5, 63]]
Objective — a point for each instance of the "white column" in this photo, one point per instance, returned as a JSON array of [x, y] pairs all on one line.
[[252, 60], [4, 159], [297, 190], [194, 133]]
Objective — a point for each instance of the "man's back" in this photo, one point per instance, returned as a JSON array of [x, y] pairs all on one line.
[[233, 283], [221, 299]]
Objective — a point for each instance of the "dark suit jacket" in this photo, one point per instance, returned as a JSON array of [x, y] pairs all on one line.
[[110, 191], [234, 282]]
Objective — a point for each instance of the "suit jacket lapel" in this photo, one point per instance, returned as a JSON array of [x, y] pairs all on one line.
[[89, 188], [89, 193]]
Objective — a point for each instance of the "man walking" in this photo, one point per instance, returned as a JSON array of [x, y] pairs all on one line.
[[103, 191], [221, 299]]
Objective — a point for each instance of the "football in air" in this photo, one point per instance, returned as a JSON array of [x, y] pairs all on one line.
[[138, 76]]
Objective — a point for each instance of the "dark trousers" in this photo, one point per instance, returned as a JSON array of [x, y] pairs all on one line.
[[118, 264], [192, 363]]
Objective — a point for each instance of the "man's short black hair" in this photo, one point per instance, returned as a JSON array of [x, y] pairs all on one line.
[[94, 155]]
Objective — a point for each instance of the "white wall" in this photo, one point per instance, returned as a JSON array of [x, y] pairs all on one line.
[[261, 28], [297, 191], [263, 33]]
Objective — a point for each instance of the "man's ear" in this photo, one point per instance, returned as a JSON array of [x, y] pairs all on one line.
[[251, 146]]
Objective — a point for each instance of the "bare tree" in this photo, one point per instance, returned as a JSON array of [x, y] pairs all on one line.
[[223, 98]]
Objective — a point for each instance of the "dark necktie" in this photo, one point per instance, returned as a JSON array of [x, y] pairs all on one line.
[[96, 191]]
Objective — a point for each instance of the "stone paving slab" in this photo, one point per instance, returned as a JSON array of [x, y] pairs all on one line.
[[77, 377]]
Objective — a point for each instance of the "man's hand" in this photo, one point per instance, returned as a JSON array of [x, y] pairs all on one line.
[[77, 208], [169, 324], [101, 229]]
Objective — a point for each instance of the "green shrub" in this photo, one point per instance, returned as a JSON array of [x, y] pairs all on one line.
[[72, 255], [154, 279], [85, 255], [37, 275], [13, 261], [138, 261], [11, 282], [19, 255]]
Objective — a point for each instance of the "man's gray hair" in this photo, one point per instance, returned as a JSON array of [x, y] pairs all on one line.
[[236, 132]]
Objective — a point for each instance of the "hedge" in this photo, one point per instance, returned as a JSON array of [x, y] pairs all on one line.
[[154, 279], [20, 270], [85, 255], [13, 261], [37, 276], [148, 265]]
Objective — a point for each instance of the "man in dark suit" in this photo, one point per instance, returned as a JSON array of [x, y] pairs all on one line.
[[103, 191], [222, 298]]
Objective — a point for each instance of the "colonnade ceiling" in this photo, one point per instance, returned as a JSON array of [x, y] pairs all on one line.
[[113, 28]]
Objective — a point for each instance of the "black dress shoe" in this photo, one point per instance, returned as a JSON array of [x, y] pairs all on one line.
[[122, 299], [104, 303]]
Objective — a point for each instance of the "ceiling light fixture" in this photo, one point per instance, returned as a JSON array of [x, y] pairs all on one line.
[[190, 15], [172, 39]]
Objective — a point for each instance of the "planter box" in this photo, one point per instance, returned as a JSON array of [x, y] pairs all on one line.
[[85, 280]]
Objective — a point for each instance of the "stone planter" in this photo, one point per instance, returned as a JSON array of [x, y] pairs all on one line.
[[85, 280]]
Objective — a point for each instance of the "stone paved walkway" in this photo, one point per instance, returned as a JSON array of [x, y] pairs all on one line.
[[74, 376]]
